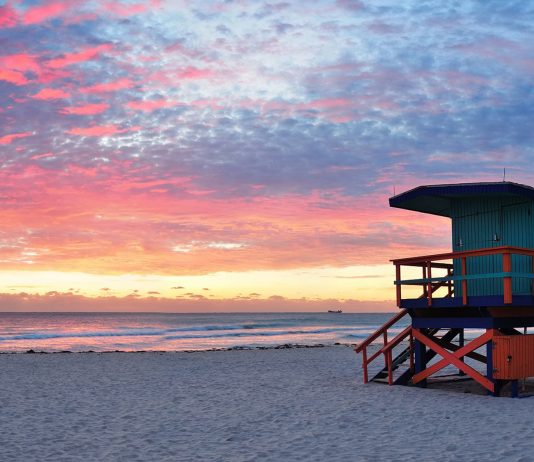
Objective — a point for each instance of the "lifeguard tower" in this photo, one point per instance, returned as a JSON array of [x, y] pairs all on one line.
[[485, 285]]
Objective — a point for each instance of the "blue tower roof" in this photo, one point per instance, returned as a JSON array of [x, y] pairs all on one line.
[[436, 199]]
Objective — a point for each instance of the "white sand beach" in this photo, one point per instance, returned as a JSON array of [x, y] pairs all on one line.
[[304, 404]]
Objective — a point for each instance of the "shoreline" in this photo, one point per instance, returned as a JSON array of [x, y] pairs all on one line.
[[285, 346]]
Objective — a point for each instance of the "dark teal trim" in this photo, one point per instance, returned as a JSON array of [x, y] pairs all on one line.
[[436, 199], [464, 278]]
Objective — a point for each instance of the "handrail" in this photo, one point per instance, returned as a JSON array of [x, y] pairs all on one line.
[[465, 253], [387, 347], [431, 284], [398, 338], [380, 331], [387, 350]]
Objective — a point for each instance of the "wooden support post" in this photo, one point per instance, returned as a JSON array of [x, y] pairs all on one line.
[[429, 286], [398, 279], [449, 283], [507, 281], [461, 343], [364, 365], [489, 366], [385, 343], [420, 358], [389, 362], [464, 281], [425, 286], [411, 352], [515, 388]]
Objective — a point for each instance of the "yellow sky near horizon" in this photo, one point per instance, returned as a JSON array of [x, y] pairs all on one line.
[[373, 283]]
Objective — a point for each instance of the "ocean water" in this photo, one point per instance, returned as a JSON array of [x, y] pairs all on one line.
[[52, 332]]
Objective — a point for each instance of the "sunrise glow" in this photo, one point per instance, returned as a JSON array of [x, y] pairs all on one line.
[[231, 155]]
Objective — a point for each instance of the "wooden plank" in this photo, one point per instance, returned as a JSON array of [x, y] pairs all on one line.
[[507, 281], [364, 365], [398, 278], [396, 340], [464, 282], [429, 287], [466, 253], [453, 347], [379, 331], [454, 359], [513, 356]]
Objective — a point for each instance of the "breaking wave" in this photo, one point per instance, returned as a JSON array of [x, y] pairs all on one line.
[[176, 332]]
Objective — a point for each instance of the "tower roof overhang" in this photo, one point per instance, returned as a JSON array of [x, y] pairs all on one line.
[[436, 199]]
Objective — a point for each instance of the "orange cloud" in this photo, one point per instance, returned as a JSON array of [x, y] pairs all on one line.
[[86, 109], [81, 56], [7, 139], [51, 93], [68, 302], [105, 219]]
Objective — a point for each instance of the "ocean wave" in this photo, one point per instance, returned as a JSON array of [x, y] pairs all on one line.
[[262, 334], [212, 331], [52, 335], [216, 327]]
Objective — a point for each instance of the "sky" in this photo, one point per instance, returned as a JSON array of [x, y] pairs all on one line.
[[176, 155]]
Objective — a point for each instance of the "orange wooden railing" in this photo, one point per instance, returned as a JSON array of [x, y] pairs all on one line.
[[387, 346], [387, 350], [431, 283]]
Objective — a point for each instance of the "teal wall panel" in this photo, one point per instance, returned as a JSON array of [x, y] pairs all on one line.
[[481, 222]]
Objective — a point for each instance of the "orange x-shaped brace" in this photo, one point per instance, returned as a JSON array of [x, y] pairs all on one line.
[[454, 358]]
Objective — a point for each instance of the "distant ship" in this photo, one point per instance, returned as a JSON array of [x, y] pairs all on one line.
[[335, 311]]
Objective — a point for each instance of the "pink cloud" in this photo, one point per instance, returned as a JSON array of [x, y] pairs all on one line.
[[15, 77], [20, 62], [148, 106], [83, 17], [121, 84], [7, 139], [329, 103], [8, 16], [51, 93], [81, 56], [177, 47], [13, 68], [42, 13], [49, 75], [194, 73], [86, 109], [42, 156], [99, 130], [120, 9]]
